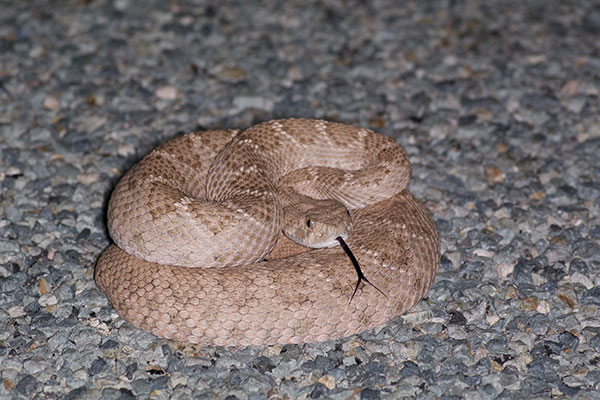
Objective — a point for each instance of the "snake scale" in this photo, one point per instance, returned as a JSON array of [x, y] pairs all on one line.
[[199, 254]]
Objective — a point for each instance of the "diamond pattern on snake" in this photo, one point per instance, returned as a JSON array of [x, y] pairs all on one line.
[[241, 238]]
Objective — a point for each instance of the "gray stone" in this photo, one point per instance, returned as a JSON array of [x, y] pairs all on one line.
[[496, 104]]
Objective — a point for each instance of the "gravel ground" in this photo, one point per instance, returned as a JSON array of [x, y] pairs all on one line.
[[497, 105]]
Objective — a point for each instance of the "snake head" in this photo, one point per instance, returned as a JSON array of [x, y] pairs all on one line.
[[317, 223]]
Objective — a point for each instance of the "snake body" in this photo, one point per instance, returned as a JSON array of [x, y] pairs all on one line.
[[199, 254]]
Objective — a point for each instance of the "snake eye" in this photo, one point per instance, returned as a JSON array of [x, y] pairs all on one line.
[[309, 222], [348, 212]]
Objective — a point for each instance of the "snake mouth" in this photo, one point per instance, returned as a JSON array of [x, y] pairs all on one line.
[[319, 240], [361, 276], [334, 241]]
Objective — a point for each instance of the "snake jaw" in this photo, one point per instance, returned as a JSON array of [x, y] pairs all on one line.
[[316, 223]]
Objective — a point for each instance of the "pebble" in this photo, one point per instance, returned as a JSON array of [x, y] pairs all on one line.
[[166, 93], [497, 107], [260, 103], [51, 103]]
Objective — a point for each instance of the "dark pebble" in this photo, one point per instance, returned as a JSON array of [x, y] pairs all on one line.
[[97, 366], [366, 374], [522, 271], [320, 362], [109, 344], [160, 383], [587, 249], [409, 369], [568, 341], [27, 385], [76, 394], [567, 390], [457, 318], [595, 342], [318, 391], [370, 394], [446, 264], [264, 364], [591, 296]]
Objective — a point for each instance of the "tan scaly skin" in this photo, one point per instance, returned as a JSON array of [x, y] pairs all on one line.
[[194, 221]]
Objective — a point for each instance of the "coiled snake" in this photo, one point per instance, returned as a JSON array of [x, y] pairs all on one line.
[[199, 254]]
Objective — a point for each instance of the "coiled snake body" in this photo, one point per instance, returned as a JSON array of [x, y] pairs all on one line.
[[194, 221]]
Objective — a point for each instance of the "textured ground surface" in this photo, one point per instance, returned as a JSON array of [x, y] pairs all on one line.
[[497, 105]]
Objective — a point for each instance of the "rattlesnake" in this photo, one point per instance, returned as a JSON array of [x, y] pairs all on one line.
[[220, 199]]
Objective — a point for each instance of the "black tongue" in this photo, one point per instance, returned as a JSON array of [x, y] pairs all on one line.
[[361, 276]]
